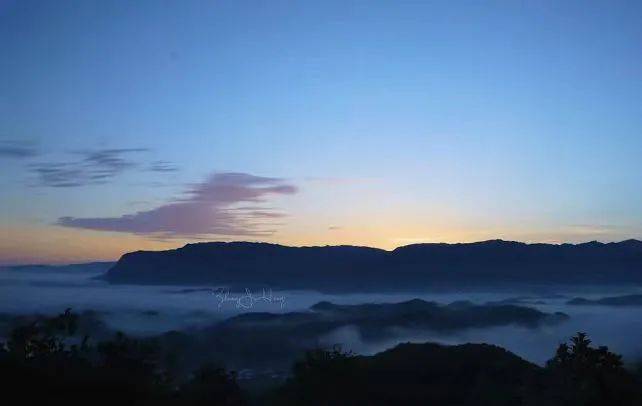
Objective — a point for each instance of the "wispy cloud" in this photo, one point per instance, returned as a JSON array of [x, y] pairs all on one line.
[[163, 167], [17, 149], [91, 167], [226, 204], [340, 181], [592, 229], [59, 175]]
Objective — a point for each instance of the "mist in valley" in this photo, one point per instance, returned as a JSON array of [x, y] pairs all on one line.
[[153, 310]]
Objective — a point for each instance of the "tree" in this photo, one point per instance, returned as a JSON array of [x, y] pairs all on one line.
[[43, 362], [211, 385], [584, 376]]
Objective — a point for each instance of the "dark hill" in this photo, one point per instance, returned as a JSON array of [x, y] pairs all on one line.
[[626, 300], [414, 374], [275, 340], [418, 266]]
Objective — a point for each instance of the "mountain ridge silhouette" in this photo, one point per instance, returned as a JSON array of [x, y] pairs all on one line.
[[415, 266]]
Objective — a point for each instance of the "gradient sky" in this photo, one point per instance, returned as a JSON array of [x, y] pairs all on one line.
[[130, 125]]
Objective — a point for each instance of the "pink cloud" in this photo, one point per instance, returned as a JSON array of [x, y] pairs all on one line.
[[208, 208]]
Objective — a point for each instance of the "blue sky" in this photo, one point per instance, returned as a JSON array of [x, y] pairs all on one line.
[[393, 122]]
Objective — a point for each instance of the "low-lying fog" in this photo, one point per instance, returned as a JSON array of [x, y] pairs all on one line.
[[145, 310]]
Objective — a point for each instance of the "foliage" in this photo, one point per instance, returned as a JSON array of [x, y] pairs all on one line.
[[43, 362], [471, 374], [211, 385], [579, 374]]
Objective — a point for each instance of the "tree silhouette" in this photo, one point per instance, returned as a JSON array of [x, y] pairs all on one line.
[[583, 375], [43, 362], [211, 385]]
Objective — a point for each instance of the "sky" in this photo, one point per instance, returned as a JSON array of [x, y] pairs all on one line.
[[151, 124]]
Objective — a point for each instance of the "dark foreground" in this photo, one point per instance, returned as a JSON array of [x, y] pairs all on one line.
[[45, 361]]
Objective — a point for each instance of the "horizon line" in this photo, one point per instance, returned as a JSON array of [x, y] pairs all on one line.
[[55, 264]]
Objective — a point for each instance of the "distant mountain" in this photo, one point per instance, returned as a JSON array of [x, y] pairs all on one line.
[[248, 264], [418, 266], [626, 300], [381, 320], [86, 267], [260, 340]]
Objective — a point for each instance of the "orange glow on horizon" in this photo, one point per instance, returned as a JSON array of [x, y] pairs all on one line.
[[59, 245]]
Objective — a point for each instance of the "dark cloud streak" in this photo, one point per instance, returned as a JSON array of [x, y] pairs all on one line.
[[17, 149], [162, 167], [93, 167]]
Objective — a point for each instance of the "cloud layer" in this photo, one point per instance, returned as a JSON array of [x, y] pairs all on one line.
[[226, 204]]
